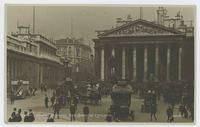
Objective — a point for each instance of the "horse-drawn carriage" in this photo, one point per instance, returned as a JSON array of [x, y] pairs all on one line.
[[20, 89], [82, 91], [90, 94]]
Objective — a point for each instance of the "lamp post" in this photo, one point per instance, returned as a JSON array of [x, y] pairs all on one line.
[[77, 72], [66, 62]]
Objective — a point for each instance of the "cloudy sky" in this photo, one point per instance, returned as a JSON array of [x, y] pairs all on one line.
[[56, 21]]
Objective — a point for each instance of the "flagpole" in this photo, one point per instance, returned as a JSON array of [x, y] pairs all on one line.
[[33, 19]]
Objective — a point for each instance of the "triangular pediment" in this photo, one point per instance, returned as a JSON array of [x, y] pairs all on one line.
[[140, 28]]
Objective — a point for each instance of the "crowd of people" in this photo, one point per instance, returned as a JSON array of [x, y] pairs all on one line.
[[68, 97], [16, 116], [64, 97]]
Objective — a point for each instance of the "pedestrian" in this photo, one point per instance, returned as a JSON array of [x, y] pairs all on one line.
[[170, 117], [14, 112], [30, 91], [50, 118], [109, 117], [181, 110], [185, 112], [31, 115], [46, 101], [26, 117], [56, 109], [75, 101], [52, 100], [153, 111], [13, 116], [58, 91], [18, 116], [72, 112], [192, 113], [11, 119], [86, 113], [132, 115]]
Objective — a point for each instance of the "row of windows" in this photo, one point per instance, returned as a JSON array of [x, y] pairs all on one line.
[[28, 48], [47, 51], [68, 51]]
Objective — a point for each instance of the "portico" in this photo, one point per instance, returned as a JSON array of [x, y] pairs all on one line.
[[142, 50]]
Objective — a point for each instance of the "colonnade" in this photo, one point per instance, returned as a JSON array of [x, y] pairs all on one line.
[[146, 58]]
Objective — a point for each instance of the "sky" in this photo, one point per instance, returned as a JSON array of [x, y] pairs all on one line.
[[81, 21]]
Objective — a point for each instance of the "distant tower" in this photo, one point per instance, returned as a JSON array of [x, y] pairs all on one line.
[[161, 15], [23, 29]]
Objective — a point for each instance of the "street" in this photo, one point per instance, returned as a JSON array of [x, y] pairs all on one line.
[[97, 112]]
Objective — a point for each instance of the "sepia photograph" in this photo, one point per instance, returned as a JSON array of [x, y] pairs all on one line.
[[99, 64]]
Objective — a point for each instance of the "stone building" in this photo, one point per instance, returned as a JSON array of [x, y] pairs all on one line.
[[32, 57], [138, 50], [79, 56]]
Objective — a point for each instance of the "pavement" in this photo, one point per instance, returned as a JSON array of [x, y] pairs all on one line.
[[97, 112]]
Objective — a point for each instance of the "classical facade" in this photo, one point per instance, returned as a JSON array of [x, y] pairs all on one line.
[[32, 57], [79, 56], [140, 50]]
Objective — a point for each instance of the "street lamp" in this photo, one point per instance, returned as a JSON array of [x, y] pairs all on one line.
[[77, 71], [66, 62]]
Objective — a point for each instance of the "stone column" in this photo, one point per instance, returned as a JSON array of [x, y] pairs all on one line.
[[145, 63], [180, 63], [134, 63], [38, 75], [168, 62], [112, 68], [156, 62], [41, 73], [102, 64], [123, 63], [14, 69], [113, 52]]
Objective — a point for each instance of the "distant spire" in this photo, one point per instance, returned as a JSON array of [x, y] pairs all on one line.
[[141, 14], [71, 27]]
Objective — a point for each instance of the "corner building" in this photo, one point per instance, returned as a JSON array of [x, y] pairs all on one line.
[[138, 50], [32, 57]]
